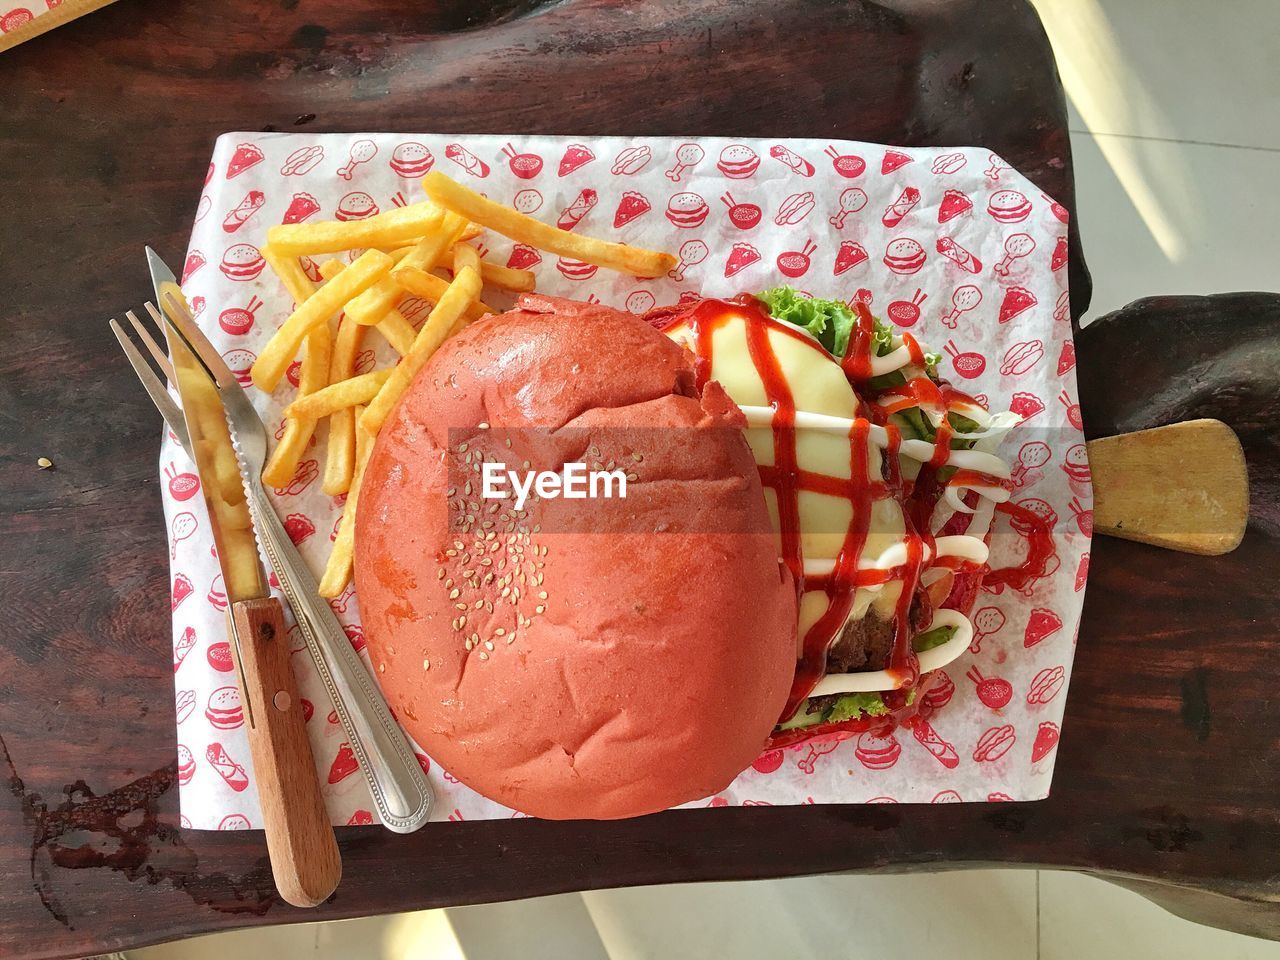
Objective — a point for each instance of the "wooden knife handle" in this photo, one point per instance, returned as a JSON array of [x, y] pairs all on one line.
[[300, 840]]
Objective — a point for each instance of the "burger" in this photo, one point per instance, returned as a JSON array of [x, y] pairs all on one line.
[[687, 210], [574, 658], [242, 261], [904, 255], [411, 160], [1009, 206], [224, 710], [356, 205], [738, 161]]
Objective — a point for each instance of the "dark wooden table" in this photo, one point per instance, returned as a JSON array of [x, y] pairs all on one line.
[[1165, 777]]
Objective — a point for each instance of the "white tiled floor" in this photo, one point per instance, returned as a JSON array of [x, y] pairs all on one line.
[[1177, 151]]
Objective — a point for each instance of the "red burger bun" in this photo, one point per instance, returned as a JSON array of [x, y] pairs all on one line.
[[645, 670]]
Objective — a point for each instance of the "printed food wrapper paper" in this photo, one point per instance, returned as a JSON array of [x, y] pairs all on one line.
[[949, 242]]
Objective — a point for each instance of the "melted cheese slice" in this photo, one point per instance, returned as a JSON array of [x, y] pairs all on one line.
[[818, 385]]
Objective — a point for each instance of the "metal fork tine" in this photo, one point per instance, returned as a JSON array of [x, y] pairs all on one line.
[[157, 354], [180, 319], [155, 389]]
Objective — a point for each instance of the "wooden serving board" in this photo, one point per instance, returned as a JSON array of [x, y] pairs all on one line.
[[1163, 775]]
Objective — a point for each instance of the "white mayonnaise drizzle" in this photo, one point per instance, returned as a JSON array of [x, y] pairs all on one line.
[[876, 680]]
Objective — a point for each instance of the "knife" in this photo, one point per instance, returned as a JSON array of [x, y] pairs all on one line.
[[300, 840]]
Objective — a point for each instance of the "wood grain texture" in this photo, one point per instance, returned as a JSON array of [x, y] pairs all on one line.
[[1164, 774], [1182, 487], [304, 854]]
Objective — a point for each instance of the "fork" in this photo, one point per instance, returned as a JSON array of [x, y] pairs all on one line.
[[396, 781]]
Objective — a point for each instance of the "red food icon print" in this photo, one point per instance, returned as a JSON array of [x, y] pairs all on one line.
[[1076, 466], [941, 692], [1017, 301], [897, 211], [362, 151], [631, 206], [308, 708], [958, 255], [878, 751], [301, 206], [986, 622], [203, 207], [197, 307], [949, 163], [861, 295], [848, 165], [1067, 357], [1084, 517], [1046, 739], [582, 204], [906, 313], [526, 166], [195, 260], [947, 796], [692, 253], [1021, 358], [641, 301], [242, 262], [744, 216], [467, 160], [1041, 625], [240, 362], [1046, 684], [293, 374], [183, 526], [795, 208], [356, 636], [299, 527], [969, 364], [795, 263], [356, 205], [1059, 259], [246, 155], [794, 161], [1073, 410], [852, 200], [1058, 210], [1026, 405], [311, 269], [954, 203], [186, 765], [235, 821], [182, 589], [424, 762], [219, 656], [1082, 572], [740, 257], [182, 486], [631, 160], [1032, 455], [238, 215], [767, 762], [938, 748], [1009, 206], [238, 321], [849, 255], [411, 160], [808, 763], [1016, 246], [997, 167], [738, 161], [344, 764], [361, 818], [575, 155], [904, 256], [688, 156], [302, 161], [995, 743], [575, 269], [523, 257], [687, 210], [183, 646], [233, 773], [994, 692], [963, 299], [893, 160], [224, 710]]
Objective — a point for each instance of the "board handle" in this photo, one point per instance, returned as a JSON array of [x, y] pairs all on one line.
[[1183, 487], [300, 840]]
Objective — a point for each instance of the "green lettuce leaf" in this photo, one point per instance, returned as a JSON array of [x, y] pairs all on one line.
[[855, 704], [932, 638], [831, 321]]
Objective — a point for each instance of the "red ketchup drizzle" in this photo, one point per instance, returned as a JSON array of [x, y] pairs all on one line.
[[1039, 548], [857, 357], [913, 349]]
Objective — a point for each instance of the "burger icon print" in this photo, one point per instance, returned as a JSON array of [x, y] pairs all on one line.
[[242, 262]]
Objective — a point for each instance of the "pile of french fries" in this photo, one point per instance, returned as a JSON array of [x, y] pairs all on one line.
[[402, 248]]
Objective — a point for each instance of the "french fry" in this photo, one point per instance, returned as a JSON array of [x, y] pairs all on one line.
[[372, 266], [338, 396], [615, 256], [337, 572], [372, 305], [291, 274], [394, 327], [430, 287], [449, 312], [465, 255], [496, 275], [316, 358], [332, 236], [340, 454]]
